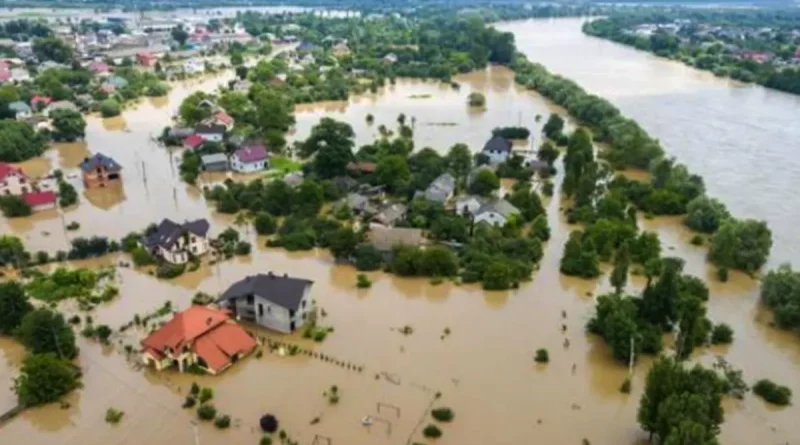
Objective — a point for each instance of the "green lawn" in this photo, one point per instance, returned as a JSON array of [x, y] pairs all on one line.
[[284, 164]]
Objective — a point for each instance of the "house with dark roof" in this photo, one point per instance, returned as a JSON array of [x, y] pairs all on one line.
[[213, 133], [440, 190], [197, 337], [278, 302], [100, 171], [498, 149], [178, 243], [214, 162], [250, 158]]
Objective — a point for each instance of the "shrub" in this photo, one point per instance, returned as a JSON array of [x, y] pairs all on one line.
[[223, 422], [722, 334], [206, 394], [141, 257], [195, 389], [114, 416], [722, 274], [167, 270], [189, 402], [772, 392], [268, 423], [697, 240], [110, 108], [206, 412], [626, 386], [542, 356], [265, 440], [432, 432], [363, 281], [243, 248], [442, 414]]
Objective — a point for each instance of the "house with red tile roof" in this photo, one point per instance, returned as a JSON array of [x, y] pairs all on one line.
[[40, 102], [146, 59], [40, 200], [13, 181], [194, 141], [250, 158], [221, 118], [197, 337]]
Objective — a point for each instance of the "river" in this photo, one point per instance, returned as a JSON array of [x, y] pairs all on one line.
[[744, 140], [483, 368]]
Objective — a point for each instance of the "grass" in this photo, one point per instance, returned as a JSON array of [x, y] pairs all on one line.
[[284, 164]]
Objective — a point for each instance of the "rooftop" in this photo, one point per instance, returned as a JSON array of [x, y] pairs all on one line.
[[284, 291], [252, 153], [98, 160], [497, 143], [168, 232]]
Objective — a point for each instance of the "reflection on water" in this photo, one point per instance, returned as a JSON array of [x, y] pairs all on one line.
[[484, 368]]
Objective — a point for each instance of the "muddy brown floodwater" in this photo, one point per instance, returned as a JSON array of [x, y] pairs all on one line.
[[484, 368]]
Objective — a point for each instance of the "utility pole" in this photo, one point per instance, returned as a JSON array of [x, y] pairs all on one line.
[[633, 357]]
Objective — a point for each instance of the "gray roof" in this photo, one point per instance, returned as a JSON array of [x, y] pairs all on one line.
[[385, 238], [181, 132], [391, 214], [209, 129], [214, 158], [62, 105], [284, 291], [500, 206], [168, 232], [441, 188], [19, 106], [117, 82], [97, 160], [497, 143], [356, 201]]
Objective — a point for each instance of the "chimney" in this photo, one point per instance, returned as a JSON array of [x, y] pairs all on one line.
[[208, 321]]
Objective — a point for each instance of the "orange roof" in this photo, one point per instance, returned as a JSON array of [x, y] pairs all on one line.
[[8, 169], [184, 327], [223, 117], [207, 332]]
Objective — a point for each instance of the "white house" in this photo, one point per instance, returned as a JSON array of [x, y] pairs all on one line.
[[492, 211], [498, 149], [250, 158], [13, 181], [281, 303], [178, 243], [211, 133]]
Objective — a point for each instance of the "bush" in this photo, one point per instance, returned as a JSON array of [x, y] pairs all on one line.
[[110, 108], [626, 386], [442, 414], [206, 412], [697, 240], [114, 416], [195, 389], [367, 258], [265, 224], [363, 281], [167, 270], [542, 356], [265, 440], [243, 248], [772, 392], [268, 423], [722, 334], [44, 378], [141, 257], [432, 432], [223, 422], [206, 394], [189, 402], [722, 274]]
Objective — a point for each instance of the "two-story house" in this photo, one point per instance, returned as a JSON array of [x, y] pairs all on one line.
[[100, 171], [178, 243], [13, 181], [250, 158], [278, 302]]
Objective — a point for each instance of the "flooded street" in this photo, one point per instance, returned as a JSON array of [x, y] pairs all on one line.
[[484, 368]]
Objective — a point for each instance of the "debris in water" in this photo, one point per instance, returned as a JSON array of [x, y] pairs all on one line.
[[366, 421]]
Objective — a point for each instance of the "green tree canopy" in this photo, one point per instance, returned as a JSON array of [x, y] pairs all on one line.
[[68, 125], [780, 290], [44, 378], [484, 183], [19, 141], [741, 245], [44, 331], [14, 305]]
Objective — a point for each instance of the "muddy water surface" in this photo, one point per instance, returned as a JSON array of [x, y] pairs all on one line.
[[484, 368]]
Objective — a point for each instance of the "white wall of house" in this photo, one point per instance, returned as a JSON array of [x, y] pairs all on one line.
[[272, 316], [496, 157], [186, 246], [247, 167], [492, 218], [15, 184]]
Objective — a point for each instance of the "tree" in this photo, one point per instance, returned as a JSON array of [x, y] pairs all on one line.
[[528, 203], [14, 305], [619, 276], [343, 243], [780, 290], [367, 257], [110, 108], [193, 110], [14, 206], [12, 251], [264, 223], [554, 126], [44, 331], [674, 395], [497, 276], [477, 100], [44, 378], [580, 257], [741, 245], [705, 214], [484, 183], [459, 160], [52, 48], [237, 59], [179, 35], [547, 153], [393, 172], [332, 142], [615, 321], [308, 199], [19, 141], [67, 195], [68, 125]]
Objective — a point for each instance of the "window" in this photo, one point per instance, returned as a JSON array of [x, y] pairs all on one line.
[[260, 310], [291, 313], [250, 299], [269, 309], [303, 304]]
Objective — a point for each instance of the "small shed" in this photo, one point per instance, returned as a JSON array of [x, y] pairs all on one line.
[[215, 162]]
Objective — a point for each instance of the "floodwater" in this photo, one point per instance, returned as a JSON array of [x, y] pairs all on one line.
[[742, 139], [484, 368]]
